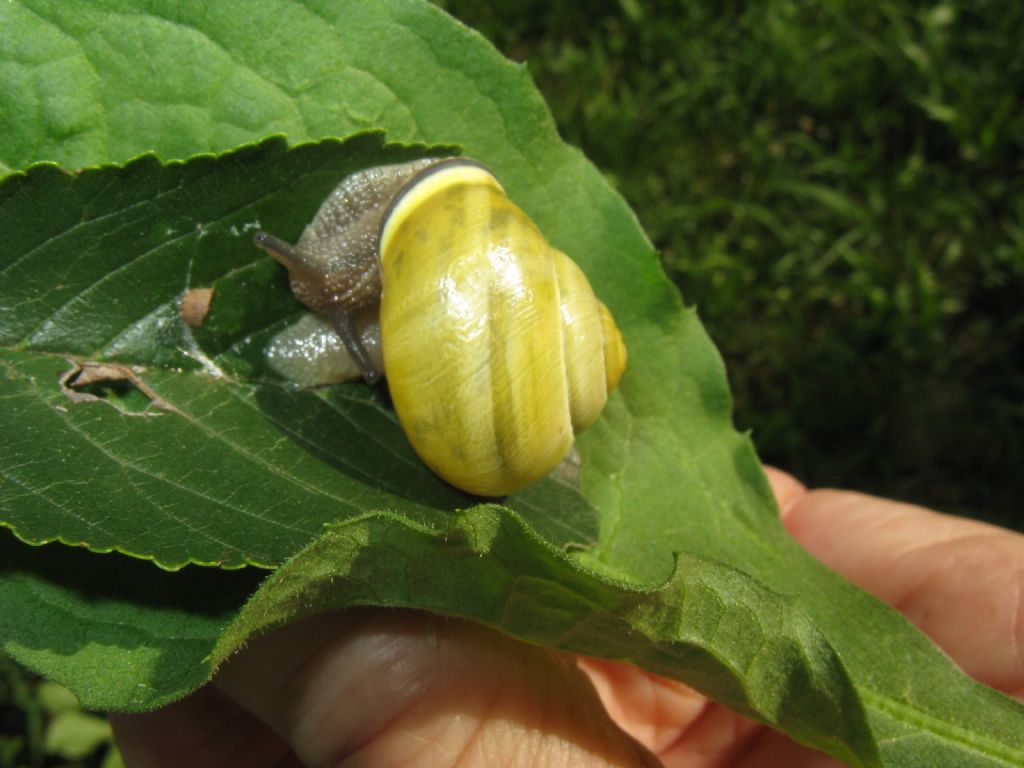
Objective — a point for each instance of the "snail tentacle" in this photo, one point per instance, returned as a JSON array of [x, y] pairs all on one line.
[[281, 251]]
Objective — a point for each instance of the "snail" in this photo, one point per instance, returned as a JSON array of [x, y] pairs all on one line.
[[495, 348]]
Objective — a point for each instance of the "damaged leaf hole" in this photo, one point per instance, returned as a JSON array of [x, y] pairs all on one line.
[[195, 303], [119, 386]]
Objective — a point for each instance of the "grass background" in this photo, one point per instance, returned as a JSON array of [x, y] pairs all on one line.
[[839, 187]]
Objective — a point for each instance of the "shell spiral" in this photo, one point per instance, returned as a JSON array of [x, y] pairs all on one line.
[[496, 349]]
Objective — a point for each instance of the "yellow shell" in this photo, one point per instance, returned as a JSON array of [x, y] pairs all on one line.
[[495, 348]]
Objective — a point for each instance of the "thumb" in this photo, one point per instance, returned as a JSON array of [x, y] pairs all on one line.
[[384, 688]]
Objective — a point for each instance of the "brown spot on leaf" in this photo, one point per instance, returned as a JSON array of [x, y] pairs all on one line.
[[113, 381], [195, 304]]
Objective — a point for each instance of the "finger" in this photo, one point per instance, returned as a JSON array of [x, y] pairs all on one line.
[[960, 581], [681, 726], [770, 749], [787, 489], [686, 730], [400, 688], [204, 730], [654, 710]]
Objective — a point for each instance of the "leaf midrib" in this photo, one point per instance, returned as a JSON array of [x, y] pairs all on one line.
[[942, 728]]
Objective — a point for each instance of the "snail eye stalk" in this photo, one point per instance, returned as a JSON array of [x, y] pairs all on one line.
[[276, 247]]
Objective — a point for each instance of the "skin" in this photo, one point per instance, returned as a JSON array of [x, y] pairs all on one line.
[[399, 688]]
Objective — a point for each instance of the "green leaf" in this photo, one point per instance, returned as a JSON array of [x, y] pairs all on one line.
[[198, 455], [104, 281], [117, 631]]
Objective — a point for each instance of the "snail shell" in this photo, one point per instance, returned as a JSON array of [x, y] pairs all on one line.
[[495, 348]]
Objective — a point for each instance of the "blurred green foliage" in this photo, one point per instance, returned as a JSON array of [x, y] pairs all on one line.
[[839, 188], [21, 717], [42, 726]]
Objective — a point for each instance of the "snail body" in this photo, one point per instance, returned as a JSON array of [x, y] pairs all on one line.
[[495, 348]]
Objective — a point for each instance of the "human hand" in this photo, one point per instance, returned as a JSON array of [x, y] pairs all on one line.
[[386, 688]]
